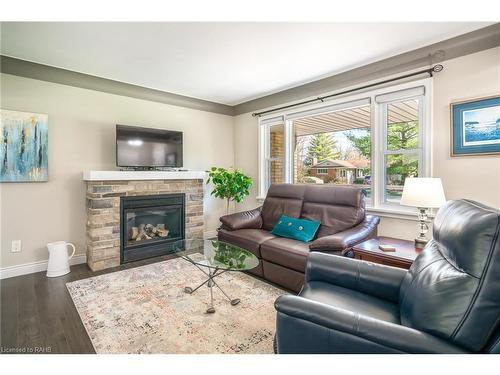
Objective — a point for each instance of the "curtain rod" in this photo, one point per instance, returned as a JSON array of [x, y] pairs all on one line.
[[435, 69]]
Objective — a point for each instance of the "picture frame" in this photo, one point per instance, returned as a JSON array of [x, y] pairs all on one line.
[[24, 146], [475, 127]]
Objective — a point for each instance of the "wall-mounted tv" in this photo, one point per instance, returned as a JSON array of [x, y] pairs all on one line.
[[148, 148]]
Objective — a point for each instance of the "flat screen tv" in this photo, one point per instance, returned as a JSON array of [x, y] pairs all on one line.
[[148, 148]]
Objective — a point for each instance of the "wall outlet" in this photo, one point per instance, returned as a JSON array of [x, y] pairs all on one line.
[[16, 246]]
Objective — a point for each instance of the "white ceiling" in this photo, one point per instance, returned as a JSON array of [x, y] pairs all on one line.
[[227, 63]]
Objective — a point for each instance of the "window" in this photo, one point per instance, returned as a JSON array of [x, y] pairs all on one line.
[[401, 146], [276, 160], [372, 140], [338, 138], [273, 149]]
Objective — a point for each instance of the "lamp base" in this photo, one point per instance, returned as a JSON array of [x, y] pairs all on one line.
[[421, 242]]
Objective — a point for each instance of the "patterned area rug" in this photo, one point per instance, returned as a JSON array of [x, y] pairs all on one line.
[[145, 310]]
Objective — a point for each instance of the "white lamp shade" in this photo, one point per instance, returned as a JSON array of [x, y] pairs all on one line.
[[423, 192]]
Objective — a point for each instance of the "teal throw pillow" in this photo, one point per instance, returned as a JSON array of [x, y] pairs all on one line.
[[298, 229]]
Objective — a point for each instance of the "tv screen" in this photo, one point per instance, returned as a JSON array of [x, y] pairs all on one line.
[[144, 147]]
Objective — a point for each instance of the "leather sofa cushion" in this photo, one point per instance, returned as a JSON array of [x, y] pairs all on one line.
[[344, 240], [337, 208], [351, 300], [250, 219], [258, 271], [249, 239], [286, 252], [281, 199], [283, 276]]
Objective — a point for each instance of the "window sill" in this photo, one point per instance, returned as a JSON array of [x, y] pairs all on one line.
[[402, 214], [386, 212], [393, 213]]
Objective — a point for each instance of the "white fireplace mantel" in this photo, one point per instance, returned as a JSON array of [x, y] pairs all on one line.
[[142, 175]]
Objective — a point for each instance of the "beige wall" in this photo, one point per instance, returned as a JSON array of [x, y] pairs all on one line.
[[464, 78], [246, 147], [81, 136], [477, 178]]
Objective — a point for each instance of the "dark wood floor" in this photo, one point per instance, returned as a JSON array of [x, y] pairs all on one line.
[[38, 314]]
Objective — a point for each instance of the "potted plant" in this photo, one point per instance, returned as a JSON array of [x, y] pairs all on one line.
[[232, 185]]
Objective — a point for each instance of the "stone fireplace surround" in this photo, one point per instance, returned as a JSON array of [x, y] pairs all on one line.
[[104, 189]]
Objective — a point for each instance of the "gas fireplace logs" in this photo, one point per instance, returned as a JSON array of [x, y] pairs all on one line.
[[147, 232]]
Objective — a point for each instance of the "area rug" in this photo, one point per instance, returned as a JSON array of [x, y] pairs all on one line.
[[145, 310]]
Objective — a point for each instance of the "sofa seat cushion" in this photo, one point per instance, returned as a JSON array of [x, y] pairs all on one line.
[[249, 239], [286, 252], [351, 300]]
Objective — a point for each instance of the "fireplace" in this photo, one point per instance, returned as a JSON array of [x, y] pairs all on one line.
[[149, 223]]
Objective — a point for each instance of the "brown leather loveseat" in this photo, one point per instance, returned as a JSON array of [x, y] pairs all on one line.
[[340, 209]]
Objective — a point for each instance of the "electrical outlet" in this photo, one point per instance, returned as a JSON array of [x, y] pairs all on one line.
[[16, 246]]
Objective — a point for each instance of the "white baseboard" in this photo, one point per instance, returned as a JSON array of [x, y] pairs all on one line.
[[24, 269], [27, 268]]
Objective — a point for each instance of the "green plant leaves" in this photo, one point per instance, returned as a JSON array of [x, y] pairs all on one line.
[[232, 185]]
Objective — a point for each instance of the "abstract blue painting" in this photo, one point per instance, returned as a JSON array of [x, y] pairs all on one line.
[[476, 127], [24, 143]]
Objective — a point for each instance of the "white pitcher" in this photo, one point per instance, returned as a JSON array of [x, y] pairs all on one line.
[[58, 258]]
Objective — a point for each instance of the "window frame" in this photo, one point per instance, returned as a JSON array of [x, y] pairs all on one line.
[[265, 151], [400, 92], [384, 152]]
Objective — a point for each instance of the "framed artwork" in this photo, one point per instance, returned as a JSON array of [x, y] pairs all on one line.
[[475, 127], [24, 146]]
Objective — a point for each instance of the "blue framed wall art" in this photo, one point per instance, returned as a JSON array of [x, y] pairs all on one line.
[[475, 127], [24, 143]]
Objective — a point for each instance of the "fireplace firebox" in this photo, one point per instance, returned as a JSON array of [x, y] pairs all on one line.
[[149, 223]]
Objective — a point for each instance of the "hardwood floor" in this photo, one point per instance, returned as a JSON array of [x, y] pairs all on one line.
[[38, 314]]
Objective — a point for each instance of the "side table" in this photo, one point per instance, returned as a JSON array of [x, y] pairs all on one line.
[[368, 250]]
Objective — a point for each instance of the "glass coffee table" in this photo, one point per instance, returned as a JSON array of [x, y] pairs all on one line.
[[214, 258]]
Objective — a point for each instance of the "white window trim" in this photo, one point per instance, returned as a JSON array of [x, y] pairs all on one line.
[[378, 206], [425, 163], [264, 149], [289, 149]]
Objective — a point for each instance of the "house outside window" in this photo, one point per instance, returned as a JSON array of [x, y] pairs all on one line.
[[373, 140]]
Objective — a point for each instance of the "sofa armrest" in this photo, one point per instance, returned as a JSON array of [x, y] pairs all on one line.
[[343, 240], [251, 219], [375, 279], [335, 330]]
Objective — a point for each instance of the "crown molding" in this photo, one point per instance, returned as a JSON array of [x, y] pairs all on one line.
[[465, 44], [28, 69], [475, 41]]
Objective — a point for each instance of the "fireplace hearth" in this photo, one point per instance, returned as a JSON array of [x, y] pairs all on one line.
[[149, 223]]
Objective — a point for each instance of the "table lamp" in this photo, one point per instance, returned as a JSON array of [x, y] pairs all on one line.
[[423, 193]]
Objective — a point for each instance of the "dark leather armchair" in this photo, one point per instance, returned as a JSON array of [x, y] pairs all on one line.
[[447, 302]]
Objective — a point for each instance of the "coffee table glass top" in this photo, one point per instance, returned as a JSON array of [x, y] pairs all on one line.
[[215, 254]]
